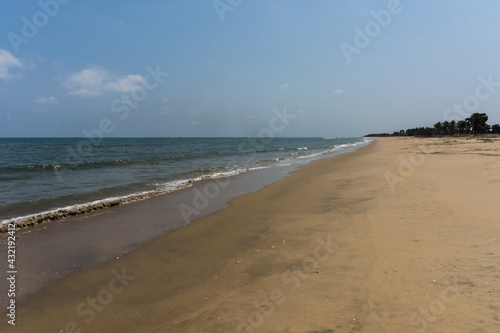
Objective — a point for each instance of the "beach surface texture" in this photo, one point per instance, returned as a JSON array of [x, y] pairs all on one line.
[[398, 236]]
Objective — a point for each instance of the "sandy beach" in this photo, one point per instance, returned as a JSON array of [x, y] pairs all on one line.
[[398, 236]]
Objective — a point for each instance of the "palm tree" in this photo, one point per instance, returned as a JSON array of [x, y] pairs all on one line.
[[478, 122], [463, 126], [453, 124], [446, 126], [438, 128]]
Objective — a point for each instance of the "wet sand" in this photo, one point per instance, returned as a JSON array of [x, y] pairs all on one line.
[[398, 236], [94, 238]]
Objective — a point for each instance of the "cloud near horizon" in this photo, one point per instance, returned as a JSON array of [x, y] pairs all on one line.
[[95, 81], [8, 61], [46, 100]]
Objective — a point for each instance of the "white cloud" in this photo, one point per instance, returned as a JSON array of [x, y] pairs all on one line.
[[94, 81], [285, 86], [126, 84], [165, 100], [7, 61], [88, 82], [340, 91], [46, 100]]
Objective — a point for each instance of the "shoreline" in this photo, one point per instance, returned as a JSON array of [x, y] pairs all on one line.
[[333, 247], [104, 235], [25, 221]]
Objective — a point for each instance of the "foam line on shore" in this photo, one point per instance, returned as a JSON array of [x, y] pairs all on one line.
[[59, 213]]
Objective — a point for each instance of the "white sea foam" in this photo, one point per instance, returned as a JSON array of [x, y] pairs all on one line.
[[162, 188], [333, 149], [77, 209]]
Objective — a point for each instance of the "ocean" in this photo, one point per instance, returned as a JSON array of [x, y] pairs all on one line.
[[50, 178]]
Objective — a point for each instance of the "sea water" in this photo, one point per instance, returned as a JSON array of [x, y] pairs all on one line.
[[50, 178]]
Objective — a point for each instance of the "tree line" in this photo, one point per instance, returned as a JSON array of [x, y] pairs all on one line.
[[475, 124]]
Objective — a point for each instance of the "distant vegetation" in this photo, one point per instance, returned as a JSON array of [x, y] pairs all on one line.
[[475, 124]]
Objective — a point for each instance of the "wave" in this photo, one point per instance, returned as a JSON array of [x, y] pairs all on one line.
[[80, 165], [333, 149], [85, 163], [185, 180], [83, 208], [92, 164]]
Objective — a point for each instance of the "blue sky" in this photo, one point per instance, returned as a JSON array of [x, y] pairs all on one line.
[[88, 66]]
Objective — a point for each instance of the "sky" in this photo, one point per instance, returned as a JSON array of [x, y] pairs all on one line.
[[169, 68]]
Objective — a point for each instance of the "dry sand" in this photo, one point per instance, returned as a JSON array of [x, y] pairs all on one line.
[[398, 236]]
